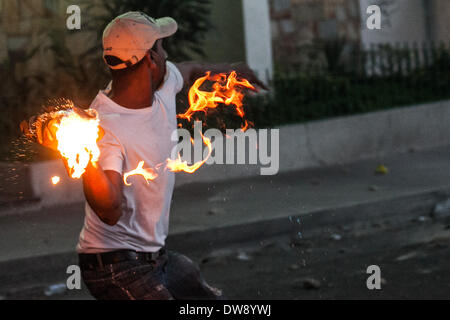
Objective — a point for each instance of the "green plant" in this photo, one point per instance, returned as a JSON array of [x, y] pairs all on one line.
[[332, 50]]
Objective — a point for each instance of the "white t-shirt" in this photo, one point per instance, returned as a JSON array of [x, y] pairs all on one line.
[[132, 136]]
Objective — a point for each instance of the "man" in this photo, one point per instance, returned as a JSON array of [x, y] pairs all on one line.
[[121, 246]]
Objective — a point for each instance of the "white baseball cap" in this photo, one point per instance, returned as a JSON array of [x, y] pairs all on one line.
[[130, 35]]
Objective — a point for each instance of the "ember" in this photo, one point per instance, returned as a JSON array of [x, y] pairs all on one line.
[[56, 180]]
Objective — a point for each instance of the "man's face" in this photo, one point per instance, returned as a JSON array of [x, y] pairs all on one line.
[[159, 56]]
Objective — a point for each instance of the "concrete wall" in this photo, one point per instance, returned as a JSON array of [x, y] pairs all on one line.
[[302, 146], [298, 24]]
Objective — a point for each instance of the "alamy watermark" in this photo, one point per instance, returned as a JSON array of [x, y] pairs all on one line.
[[74, 280], [73, 21], [251, 147], [374, 281], [374, 20]]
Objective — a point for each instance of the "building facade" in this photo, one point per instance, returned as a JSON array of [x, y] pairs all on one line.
[[299, 25]]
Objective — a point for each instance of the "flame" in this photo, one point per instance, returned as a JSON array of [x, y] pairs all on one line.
[[55, 180], [226, 90], [247, 125], [77, 141], [148, 174], [178, 165]]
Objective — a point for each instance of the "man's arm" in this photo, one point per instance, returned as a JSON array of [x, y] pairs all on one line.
[[103, 190], [194, 70]]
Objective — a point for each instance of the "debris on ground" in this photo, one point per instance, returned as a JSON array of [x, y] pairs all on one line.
[[308, 283], [294, 267], [381, 169], [421, 219], [441, 210], [336, 237], [407, 256], [55, 289], [243, 256], [216, 211]]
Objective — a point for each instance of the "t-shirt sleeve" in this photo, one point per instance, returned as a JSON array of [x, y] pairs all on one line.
[[111, 153], [175, 76]]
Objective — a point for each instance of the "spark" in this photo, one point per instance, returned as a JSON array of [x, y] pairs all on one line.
[[55, 180]]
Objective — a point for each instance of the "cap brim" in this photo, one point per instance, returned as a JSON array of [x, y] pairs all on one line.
[[167, 26]]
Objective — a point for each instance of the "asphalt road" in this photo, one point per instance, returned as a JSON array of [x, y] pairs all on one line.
[[329, 263]]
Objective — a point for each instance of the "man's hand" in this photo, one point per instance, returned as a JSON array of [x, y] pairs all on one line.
[[45, 130], [48, 136], [41, 131]]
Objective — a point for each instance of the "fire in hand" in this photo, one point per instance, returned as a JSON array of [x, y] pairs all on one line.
[[71, 131], [77, 133], [227, 89]]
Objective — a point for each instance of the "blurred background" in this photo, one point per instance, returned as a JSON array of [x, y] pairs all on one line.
[[316, 54], [363, 117]]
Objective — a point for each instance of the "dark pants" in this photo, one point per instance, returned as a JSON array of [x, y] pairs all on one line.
[[170, 276]]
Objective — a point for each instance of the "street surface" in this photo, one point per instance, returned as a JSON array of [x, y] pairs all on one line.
[[302, 235], [413, 257]]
